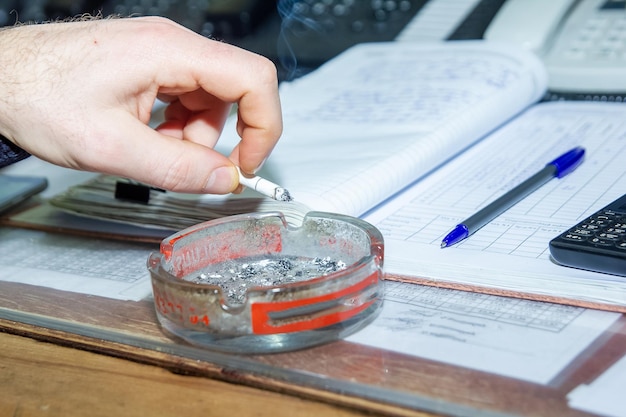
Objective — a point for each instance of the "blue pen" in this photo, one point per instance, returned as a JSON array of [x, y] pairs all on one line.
[[558, 168]]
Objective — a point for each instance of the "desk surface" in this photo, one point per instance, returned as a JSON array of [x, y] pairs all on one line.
[[44, 378], [340, 378], [346, 377]]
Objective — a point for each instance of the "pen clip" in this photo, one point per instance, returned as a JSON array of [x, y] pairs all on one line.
[[135, 192]]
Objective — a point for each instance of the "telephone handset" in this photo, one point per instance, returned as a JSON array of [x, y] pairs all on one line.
[[581, 42]]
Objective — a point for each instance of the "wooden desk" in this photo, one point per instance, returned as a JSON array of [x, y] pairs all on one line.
[[339, 378], [41, 378]]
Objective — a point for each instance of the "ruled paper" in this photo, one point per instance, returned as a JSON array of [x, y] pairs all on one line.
[[511, 252]]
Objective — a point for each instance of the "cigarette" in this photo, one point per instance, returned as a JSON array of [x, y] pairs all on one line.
[[265, 187]]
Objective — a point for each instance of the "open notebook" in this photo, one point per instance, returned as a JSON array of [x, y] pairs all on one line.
[[358, 130]]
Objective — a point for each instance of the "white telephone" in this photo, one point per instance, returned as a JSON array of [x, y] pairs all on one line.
[[582, 42]]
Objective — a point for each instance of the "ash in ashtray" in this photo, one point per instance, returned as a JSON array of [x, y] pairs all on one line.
[[236, 277]]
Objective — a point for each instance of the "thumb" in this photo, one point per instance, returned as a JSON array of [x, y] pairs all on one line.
[[148, 156]]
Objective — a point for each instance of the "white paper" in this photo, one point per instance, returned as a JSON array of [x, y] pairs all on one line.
[[605, 395], [82, 265], [89, 266], [522, 339], [369, 122], [511, 252]]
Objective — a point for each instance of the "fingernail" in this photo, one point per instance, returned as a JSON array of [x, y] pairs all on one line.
[[222, 180]]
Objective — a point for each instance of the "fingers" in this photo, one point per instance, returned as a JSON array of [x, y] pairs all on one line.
[[136, 151], [186, 120], [231, 75], [123, 65]]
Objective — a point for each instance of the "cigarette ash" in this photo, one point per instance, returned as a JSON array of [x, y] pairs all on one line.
[[282, 194], [235, 278]]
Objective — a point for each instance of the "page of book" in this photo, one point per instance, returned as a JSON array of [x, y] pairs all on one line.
[[381, 115], [511, 252]]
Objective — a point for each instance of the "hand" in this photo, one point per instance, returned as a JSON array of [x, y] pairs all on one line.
[[80, 94]]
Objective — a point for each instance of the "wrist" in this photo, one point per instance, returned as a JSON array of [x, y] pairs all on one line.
[[10, 153], [9, 55]]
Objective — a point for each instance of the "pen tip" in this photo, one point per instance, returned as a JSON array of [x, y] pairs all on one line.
[[443, 244]]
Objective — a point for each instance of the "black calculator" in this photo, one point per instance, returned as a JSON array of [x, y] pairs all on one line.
[[597, 243]]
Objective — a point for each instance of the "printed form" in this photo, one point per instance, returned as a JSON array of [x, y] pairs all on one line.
[[517, 338], [522, 339], [88, 266], [511, 252]]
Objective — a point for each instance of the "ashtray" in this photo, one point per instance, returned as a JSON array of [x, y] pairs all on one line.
[[253, 283]]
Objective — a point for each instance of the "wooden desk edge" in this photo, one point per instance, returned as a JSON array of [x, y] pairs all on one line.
[[192, 367]]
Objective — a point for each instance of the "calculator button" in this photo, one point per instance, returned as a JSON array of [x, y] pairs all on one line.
[[599, 242], [583, 232], [600, 221], [574, 238], [588, 226], [609, 236], [621, 246]]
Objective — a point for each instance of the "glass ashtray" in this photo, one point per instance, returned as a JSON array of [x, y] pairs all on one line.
[[253, 283]]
